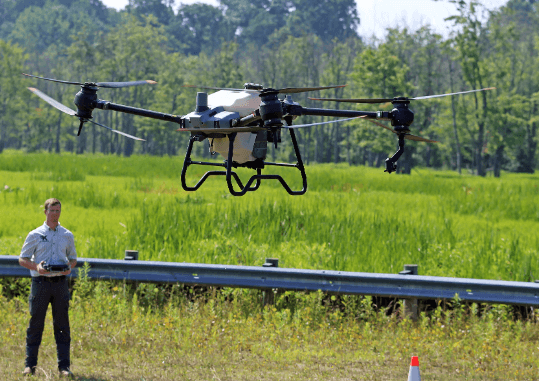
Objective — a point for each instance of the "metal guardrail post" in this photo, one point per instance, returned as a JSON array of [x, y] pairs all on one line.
[[269, 295], [131, 255], [410, 310]]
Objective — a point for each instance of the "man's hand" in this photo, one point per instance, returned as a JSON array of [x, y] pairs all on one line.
[[40, 269], [30, 265], [72, 264]]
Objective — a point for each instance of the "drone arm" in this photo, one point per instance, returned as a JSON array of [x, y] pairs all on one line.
[[106, 105], [391, 162], [246, 120], [343, 113]]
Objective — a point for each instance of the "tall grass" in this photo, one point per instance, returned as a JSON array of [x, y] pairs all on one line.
[[125, 332], [351, 219]]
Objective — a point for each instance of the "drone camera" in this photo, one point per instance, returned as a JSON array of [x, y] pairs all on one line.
[[391, 166]]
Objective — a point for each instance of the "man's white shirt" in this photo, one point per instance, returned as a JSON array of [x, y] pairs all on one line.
[[56, 247]]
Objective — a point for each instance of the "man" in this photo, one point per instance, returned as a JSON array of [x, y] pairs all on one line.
[[49, 244]]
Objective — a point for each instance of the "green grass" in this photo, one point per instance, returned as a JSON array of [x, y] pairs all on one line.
[[122, 332], [351, 218]]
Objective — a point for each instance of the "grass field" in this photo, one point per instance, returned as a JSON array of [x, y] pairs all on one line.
[[351, 219], [148, 333]]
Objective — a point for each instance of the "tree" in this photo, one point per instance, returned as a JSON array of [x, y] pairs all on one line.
[[198, 28], [84, 59], [13, 94], [511, 66], [470, 42], [134, 50], [328, 19], [48, 30], [161, 9], [170, 97], [254, 21], [515, 52], [378, 72], [422, 53], [338, 65]]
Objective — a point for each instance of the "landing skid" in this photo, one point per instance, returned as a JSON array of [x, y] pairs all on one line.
[[229, 173]]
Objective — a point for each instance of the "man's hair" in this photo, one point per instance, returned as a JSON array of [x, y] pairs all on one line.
[[52, 202]]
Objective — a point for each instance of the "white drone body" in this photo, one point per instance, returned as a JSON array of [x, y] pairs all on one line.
[[217, 110], [243, 102]]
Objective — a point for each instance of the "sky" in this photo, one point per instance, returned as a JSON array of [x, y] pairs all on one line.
[[377, 15]]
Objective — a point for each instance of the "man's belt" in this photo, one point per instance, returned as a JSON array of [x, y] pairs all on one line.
[[52, 279]]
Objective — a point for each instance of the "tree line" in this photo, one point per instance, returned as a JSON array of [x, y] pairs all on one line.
[[277, 43]]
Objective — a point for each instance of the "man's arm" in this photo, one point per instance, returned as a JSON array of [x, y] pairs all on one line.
[[30, 265], [72, 264], [71, 254], [27, 251]]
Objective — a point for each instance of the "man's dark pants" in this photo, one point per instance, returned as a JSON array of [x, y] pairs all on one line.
[[53, 290]]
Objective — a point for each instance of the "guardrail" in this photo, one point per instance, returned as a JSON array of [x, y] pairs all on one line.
[[340, 282]]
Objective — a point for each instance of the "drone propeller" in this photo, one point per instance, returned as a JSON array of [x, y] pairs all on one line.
[[382, 100], [287, 90], [118, 132], [320, 123], [99, 84], [71, 112], [406, 135], [54, 103]]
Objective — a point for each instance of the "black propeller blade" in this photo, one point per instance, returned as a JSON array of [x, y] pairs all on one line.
[[382, 100], [287, 90], [118, 132], [320, 123], [406, 135], [71, 112], [53, 102], [295, 90], [98, 84]]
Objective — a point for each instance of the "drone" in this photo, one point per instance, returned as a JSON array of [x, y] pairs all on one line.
[[240, 124]]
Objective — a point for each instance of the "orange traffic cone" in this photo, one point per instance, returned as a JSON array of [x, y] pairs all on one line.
[[413, 375]]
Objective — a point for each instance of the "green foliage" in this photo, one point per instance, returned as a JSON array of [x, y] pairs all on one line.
[[83, 287], [277, 44], [351, 219], [378, 73], [328, 19], [15, 288], [172, 332], [161, 10], [199, 28], [13, 98]]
